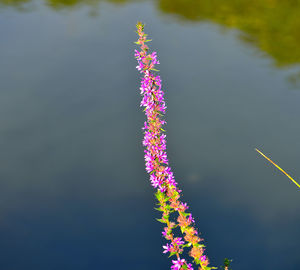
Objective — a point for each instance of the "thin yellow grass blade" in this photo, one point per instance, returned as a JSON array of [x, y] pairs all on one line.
[[278, 168]]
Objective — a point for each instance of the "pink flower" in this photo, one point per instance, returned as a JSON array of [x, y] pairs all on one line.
[[203, 258], [145, 127], [162, 188], [167, 248], [154, 181], [177, 264], [184, 206], [165, 232], [189, 266], [137, 55], [190, 219], [178, 241], [140, 67]]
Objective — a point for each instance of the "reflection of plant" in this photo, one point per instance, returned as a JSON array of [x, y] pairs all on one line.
[[174, 213], [59, 4], [15, 3], [261, 22]]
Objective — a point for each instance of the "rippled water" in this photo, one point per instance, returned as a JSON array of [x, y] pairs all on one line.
[[73, 190]]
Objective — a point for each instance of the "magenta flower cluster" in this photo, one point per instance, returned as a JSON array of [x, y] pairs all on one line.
[[157, 165]]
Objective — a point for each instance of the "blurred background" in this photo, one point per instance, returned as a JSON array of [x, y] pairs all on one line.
[[74, 193]]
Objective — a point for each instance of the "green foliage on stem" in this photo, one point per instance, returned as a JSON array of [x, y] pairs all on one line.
[[226, 264]]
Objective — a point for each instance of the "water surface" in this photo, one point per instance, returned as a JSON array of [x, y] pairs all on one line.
[[74, 193]]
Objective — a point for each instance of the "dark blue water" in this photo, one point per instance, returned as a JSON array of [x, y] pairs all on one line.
[[74, 193]]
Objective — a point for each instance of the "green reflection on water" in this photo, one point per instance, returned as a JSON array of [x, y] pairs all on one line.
[[14, 3], [69, 3], [58, 4], [271, 25]]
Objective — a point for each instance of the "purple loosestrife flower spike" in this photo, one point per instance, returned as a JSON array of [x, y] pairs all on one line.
[[157, 165]]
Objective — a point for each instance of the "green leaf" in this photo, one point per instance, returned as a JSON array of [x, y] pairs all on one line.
[[166, 216], [197, 261], [175, 194], [172, 254], [154, 69], [198, 245], [168, 207], [158, 195], [209, 268], [161, 220], [187, 245], [185, 214], [227, 262]]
